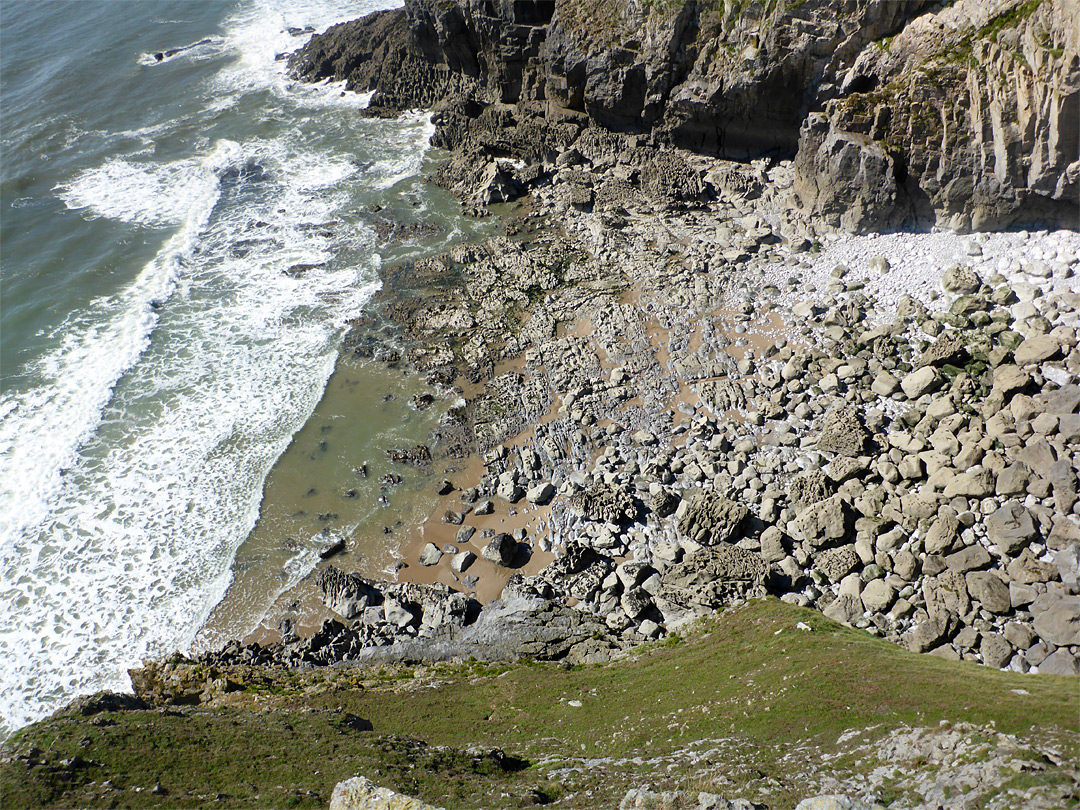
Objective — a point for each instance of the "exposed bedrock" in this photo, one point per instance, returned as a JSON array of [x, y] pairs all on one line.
[[898, 113]]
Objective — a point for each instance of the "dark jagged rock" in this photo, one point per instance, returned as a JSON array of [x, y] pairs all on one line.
[[879, 143], [604, 503]]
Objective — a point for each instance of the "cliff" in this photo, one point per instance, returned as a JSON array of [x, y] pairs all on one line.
[[897, 114]]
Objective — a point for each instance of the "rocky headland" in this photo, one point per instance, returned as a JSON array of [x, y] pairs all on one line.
[[787, 305]]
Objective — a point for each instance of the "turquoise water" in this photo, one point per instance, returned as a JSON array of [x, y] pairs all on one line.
[[182, 241]]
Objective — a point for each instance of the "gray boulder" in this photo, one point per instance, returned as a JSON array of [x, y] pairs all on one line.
[[823, 523], [1067, 563], [500, 550], [605, 503], [1057, 618], [461, 561], [845, 608], [430, 555], [960, 280], [922, 381], [709, 518], [837, 563], [987, 588], [1060, 662], [878, 596], [843, 432], [359, 793], [832, 802], [1010, 528]]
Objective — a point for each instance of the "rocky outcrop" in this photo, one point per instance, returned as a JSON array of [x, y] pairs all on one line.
[[968, 118], [360, 793], [964, 116]]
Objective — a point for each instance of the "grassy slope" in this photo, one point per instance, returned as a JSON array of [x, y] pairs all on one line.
[[747, 687]]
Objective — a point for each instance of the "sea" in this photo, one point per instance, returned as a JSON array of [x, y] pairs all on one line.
[[185, 236]]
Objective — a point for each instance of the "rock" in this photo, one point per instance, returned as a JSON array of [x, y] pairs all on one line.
[[845, 609], [508, 488], [464, 534], [922, 381], [941, 537], [772, 545], [822, 523], [1067, 563], [484, 507], [1060, 662], [837, 563], [1010, 528], [843, 432], [978, 483], [346, 594], [540, 494], [1062, 479], [885, 384], [1019, 635], [1057, 618], [430, 555], [949, 349], [1009, 379], [844, 468], [722, 563], [926, 635], [947, 594], [809, 487], [461, 561], [396, 613], [995, 650], [359, 793], [1013, 480], [500, 550], [605, 503], [1037, 349], [453, 518], [878, 596], [961, 280], [832, 802], [987, 588], [709, 518], [664, 502]]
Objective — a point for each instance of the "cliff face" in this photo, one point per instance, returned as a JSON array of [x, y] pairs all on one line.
[[897, 114], [733, 79], [969, 118]]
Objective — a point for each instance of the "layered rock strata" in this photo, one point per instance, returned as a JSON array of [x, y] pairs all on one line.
[[897, 113]]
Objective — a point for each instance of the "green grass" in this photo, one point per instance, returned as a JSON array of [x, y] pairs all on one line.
[[747, 683]]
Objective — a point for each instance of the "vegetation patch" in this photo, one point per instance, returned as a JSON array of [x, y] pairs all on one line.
[[728, 706]]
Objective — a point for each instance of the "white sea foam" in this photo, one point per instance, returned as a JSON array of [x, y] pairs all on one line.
[[260, 34], [132, 469], [119, 546], [43, 427]]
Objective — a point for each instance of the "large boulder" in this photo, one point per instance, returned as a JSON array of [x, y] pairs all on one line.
[[345, 594], [843, 432], [1057, 618], [359, 793], [824, 523], [709, 518], [1010, 528], [603, 502], [500, 550]]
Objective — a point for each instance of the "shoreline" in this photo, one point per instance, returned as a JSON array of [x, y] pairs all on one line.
[[631, 376]]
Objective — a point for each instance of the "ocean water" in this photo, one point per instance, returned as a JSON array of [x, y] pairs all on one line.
[[182, 243]]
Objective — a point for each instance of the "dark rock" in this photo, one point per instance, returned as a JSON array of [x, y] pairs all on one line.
[[501, 550]]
